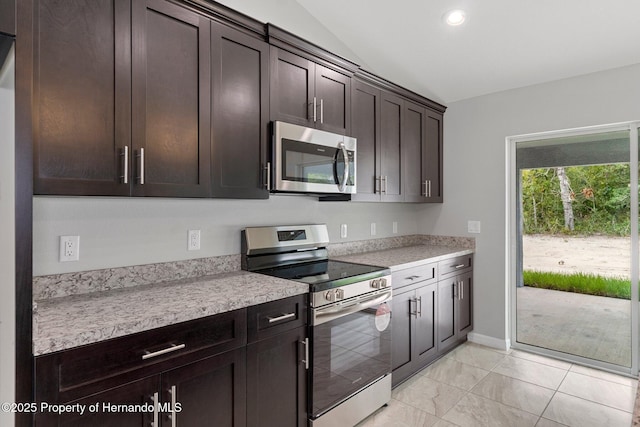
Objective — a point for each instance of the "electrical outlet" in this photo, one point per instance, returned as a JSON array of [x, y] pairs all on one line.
[[373, 228], [69, 248], [343, 231], [193, 243], [395, 227]]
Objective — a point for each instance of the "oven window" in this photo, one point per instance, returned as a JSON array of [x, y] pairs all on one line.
[[348, 354]]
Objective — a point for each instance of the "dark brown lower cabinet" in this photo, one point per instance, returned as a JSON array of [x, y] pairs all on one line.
[[196, 373], [455, 303], [414, 329], [277, 381]]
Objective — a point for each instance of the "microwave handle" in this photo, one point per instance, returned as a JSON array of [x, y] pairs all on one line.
[[345, 176]]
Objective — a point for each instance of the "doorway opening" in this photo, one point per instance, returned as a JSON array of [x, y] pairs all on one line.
[[573, 237]]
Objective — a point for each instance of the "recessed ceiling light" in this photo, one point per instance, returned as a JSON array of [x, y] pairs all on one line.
[[454, 17]]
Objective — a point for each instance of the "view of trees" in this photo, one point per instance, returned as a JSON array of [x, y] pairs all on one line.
[[577, 199]]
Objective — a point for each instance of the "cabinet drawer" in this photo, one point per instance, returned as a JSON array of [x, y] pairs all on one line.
[[272, 318], [74, 373], [453, 265], [414, 275]]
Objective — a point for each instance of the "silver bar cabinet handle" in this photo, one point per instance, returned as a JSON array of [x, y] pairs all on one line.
[[171, 349], [125, 169], [314, 109], [462, 290], [279, 318], [321, 110], [425, 189], [141, 177], [419, 309], [385, 184], [268, 169], [154, 398], [172, 416], [429, 187], [458, 266], [305, 343]]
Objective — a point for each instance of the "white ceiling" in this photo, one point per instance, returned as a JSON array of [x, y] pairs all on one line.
[[504, 44]]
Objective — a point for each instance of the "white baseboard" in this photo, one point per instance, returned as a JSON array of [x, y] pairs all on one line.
[[498, 343]]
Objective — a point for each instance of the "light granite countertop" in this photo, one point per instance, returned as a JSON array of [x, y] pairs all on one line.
[[406, 257], [71, 321]]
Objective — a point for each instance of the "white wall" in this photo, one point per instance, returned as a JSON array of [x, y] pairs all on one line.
[[129, 231], [7, 237], [291, 16], [474, 165]]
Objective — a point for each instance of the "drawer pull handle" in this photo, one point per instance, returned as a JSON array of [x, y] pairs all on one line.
[[459, 266], [413, 277], [173, 348], [279, 318]]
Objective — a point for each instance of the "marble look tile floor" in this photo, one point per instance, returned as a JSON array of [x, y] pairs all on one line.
[[475, 385]]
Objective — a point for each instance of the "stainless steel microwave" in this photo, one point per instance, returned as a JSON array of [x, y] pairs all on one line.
[[306, 160]]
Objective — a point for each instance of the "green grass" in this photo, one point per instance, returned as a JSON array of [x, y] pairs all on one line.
[[582, 283]]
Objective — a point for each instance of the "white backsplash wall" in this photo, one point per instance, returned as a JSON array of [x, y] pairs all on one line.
[[117, 232]]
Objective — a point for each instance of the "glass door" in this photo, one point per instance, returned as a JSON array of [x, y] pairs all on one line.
[[574, 233]]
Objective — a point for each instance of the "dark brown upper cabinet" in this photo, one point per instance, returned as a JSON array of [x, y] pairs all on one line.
[[309, 94], [8, 17], [240, 114], [432, 156], [81, 114], [171, 101], [391, 145], [121, 99]]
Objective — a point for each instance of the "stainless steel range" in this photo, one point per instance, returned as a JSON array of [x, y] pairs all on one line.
[[350, 350]]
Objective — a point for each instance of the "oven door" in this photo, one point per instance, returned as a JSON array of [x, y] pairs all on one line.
[[351, 348], [309, 160]]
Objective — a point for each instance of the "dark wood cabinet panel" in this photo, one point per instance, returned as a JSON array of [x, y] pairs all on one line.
[[465, 303], [401, 332], [135, 393], [292, 88], [391, 147], [413, 151], [414, 329], [81, 96], [240, 116], [432, 156], [277, 381], [210, 392], [333, 93], [309, 94], [171, 101], [447, 294], [8, 17], [365, 127]]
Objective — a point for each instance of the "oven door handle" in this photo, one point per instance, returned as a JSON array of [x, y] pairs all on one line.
[[324, 315]]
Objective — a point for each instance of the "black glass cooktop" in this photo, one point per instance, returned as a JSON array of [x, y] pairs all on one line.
[[327, 274]]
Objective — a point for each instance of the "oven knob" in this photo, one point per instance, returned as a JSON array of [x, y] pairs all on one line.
[[339, 294], [375, 284], [383, 283], [330, 296]]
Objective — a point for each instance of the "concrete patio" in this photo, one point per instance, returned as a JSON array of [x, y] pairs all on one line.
[[590, 326]]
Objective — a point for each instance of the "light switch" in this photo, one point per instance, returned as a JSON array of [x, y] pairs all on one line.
[[473, 227], [343, 231]]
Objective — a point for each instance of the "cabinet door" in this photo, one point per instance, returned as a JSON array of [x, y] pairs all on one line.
[[211, 392], [365, 127], [8, 17], [277, 381], [465, 304], [413, 137], [447, 297], [292, 88], [390, 147], [171, 101], [136, 393], [333, 100], [81, 74], [425, 339], [432, 156], [402, 331], [240, 114]]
